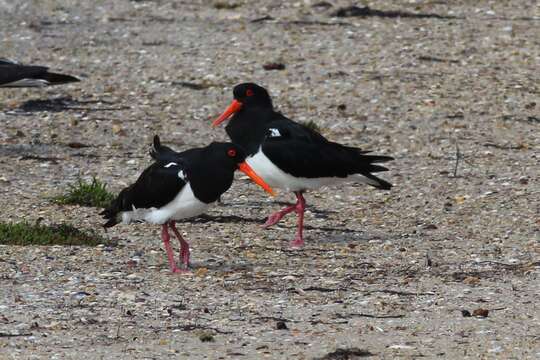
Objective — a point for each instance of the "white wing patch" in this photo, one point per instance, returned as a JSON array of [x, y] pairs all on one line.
[[182, 175], [274, 132]]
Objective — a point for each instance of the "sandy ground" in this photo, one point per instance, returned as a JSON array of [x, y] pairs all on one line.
[[386, 272]]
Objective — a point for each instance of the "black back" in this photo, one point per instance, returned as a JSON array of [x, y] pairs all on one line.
[[11, 72], [209, 171]]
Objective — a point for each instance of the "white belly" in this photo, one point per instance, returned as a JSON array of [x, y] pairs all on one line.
[[27, 83], [275, 177], [184, 205]]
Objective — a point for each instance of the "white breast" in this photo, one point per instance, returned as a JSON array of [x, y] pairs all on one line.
[[184, 205], [275, 177]]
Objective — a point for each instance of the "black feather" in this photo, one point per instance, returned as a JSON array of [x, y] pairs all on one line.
[[11, 72]]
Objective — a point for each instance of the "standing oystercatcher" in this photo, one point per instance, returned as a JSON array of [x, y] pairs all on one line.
[[178, 186], [13, 74], [290, 156]]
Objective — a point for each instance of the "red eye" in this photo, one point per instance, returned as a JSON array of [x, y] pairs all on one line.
[[249, 92], [231, 152]]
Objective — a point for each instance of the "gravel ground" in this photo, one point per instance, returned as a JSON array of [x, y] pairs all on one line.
[[386, 272]]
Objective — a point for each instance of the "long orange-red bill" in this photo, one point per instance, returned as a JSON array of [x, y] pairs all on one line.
[[246, 169], [234, 107]]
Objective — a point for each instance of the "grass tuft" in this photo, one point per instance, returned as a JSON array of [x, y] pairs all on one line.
[[24, 233], [206, 336], [94, 194], [311, 125]]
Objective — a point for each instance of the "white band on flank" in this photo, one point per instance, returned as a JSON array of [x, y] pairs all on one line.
[[184, 205], [275, 177]]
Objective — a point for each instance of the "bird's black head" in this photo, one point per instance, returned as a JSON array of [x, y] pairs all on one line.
[[226, 153], [250, 94], [246, 95], [233, 157]]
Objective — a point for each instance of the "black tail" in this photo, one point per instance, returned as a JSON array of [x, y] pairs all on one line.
[[110, 214], [160, 152], [368, 165], [57, 79], [121, 203], [377, 182]]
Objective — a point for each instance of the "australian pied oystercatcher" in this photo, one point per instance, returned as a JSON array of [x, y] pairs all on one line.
[[178, 186], [290, 156], [13, 74]]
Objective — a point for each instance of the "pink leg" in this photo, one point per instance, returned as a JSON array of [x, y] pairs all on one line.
[[184, 246], [300, 208], [276, 217], [166, 242]]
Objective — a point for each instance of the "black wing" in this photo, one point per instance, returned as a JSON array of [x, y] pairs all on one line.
[[303, 152], [160, 152], [156, 186], [11, 72]]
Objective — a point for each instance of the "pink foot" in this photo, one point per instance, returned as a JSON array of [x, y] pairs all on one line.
[[297, 243], [180, 271]]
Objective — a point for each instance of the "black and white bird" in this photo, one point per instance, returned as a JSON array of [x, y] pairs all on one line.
[[178, 186], [291, 156], [13, 74]]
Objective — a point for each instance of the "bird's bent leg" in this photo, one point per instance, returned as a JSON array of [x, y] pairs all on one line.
[[184, 246], [166, 242], [277, 216], [300, 208]]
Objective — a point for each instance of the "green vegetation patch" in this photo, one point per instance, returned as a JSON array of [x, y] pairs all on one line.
[[206, 336], [23, 233], [94, 194]]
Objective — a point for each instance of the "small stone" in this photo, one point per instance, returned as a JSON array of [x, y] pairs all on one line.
[[76, 145], [201, 272], [481, 312], [274, 66], [471, 280], [116, 129], [281, 325], [465, 313]]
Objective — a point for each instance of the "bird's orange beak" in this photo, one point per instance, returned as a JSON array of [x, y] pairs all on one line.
[[234, 107], [246, 169]]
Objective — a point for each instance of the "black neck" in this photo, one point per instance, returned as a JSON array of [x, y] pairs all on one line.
[[247, 127], [209, 178]]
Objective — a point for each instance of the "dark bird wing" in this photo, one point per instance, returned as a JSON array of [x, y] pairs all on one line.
[[156, 186], [17, 75], [303, 152]]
